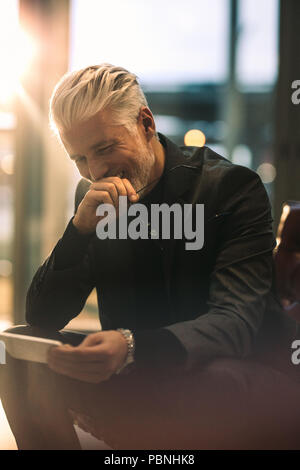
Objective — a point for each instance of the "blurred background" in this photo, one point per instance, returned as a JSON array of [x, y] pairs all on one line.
[[216, 72], [219, 73]]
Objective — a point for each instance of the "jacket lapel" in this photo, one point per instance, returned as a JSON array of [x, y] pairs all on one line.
[[180, 170], [182, 175]]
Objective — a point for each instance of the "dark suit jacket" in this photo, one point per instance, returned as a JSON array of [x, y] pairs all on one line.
[[220, 299]]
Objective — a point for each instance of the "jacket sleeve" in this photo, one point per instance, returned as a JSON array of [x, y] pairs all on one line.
[[240, 280], [242, 274], [62, 284]]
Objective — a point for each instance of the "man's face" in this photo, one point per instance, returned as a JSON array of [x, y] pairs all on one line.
[[101, 150]]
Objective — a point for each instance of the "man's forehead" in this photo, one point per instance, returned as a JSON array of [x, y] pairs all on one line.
[[101, 121], [90, 133]]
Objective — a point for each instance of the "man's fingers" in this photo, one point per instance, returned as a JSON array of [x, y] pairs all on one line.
[[78, 355], [105, 191], [112, 190], [110, 184], [122, 186], [132, 195], [93, 339], [80, 367], [94, 198], [88, 372]]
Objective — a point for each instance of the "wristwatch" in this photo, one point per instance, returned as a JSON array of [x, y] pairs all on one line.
[[128, 335]]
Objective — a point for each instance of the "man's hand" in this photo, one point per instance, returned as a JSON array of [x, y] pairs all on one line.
[[96, 359], [106, 191]]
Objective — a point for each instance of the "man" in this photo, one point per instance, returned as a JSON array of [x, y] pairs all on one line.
[[188, 336]]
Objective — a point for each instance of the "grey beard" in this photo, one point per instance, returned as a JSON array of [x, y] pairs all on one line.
[[140, 177]]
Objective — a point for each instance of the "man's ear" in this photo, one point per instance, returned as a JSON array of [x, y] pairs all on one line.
[[146, 121]]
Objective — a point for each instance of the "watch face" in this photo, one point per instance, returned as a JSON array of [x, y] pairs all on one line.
[[130, 343]]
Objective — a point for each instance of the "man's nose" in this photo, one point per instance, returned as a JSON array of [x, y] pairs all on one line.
[[97, 170]]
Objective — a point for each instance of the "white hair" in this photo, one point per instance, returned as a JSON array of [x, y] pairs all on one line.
[[81, 94]]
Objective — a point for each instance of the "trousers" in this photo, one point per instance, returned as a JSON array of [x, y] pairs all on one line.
[[227, 404]]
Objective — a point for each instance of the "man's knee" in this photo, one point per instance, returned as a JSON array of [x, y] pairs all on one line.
[[246, 381], [234, 373], [18, 376]]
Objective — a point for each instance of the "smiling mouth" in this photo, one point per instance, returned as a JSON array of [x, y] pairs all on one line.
[[121, 174]]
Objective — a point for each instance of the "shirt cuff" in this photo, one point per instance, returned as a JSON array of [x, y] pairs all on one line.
[[71, 248], [158, 348]]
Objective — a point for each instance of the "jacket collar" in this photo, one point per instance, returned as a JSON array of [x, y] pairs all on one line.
[[182, 167]]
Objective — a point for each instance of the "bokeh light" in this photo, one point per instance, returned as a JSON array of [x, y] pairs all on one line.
[[195, 138], [267, 172], [17, 50], [7, 164], [285, 212]]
